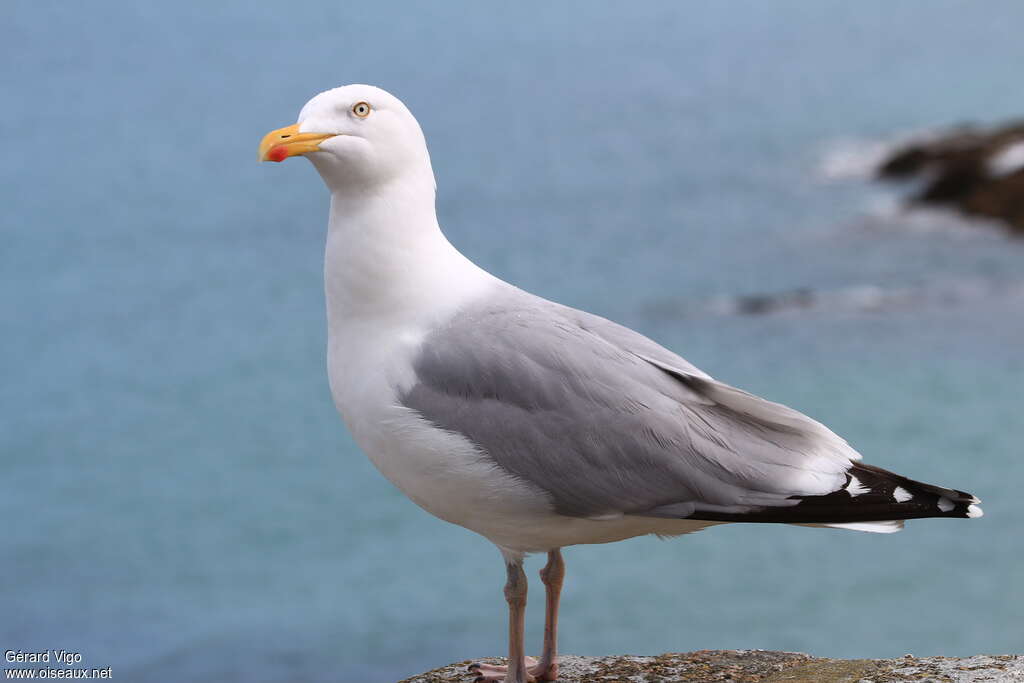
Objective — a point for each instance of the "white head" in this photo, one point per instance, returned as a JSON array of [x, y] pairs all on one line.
[[359, 137]]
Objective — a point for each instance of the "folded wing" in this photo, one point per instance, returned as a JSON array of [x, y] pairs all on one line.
[[608, 422]]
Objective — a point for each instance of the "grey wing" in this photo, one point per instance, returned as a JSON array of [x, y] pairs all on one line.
[[607, 421]]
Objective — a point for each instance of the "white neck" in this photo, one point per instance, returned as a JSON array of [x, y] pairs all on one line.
[[388, 262]]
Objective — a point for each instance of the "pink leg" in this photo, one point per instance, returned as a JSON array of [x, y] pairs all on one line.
[[515, 593], [552, 575]]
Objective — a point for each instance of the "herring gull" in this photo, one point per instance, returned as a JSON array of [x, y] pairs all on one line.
[[536, 425]]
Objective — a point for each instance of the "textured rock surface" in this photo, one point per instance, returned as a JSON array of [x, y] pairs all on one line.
[[762, 666]]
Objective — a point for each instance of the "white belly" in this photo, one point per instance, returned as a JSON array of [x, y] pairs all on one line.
[[443, 472], [440, 471]]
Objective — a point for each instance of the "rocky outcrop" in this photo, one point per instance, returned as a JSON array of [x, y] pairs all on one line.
[[979, 172], [760, 666]]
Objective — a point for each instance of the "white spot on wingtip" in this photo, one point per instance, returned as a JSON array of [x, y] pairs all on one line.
[[974, 511], [901, 495], [855, 488], [945, 504]]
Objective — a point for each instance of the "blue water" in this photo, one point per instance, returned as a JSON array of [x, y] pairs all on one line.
[[179, 499]]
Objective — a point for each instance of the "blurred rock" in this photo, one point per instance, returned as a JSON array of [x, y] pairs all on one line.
[[979, 172], [763, 667]]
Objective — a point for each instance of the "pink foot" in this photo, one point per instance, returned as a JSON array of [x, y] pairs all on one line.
[[495, 673]]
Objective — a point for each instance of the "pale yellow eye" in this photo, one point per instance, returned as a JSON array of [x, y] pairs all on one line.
[[361, 109]]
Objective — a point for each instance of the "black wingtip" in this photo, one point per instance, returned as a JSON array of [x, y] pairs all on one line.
[[870, 494]]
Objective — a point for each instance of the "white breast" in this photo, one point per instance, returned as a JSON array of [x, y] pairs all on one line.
[[440, 471], [391, 277], [443, 472]]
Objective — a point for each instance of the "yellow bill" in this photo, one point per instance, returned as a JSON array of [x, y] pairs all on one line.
[[278, 145]]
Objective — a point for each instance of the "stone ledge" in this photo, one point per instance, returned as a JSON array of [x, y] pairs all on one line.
[[761, 666]]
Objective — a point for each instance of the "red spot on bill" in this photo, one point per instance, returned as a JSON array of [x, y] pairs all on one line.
[[279, 153]]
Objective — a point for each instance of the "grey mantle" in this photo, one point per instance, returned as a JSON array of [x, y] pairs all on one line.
[[740, 666]]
